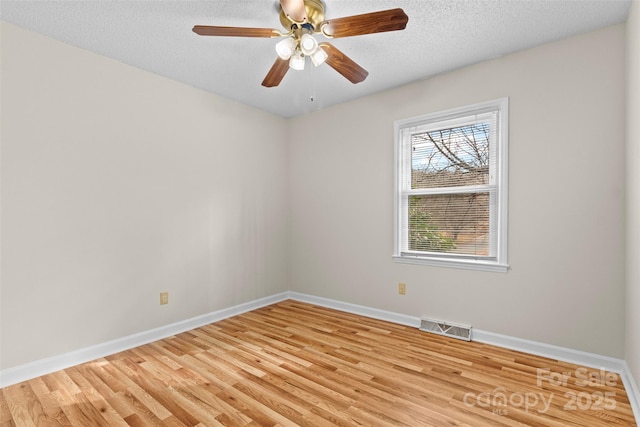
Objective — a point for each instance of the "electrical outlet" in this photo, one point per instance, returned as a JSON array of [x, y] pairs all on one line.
[[164, 298], [402, 288]]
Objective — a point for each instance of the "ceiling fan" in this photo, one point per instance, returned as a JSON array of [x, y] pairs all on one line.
[[303, 19]]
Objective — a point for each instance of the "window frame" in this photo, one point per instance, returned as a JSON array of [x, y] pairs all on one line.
[[499, 261]]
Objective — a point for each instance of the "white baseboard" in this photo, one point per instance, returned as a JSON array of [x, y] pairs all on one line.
[[564, 354], [51, 364], [631, 387], [374, 313], [45, 366]]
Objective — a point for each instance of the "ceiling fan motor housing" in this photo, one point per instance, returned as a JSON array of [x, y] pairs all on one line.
[[315, 15]]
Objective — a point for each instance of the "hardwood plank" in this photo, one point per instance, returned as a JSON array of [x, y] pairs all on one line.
[[18, 405], [94, 374], [296, 364]]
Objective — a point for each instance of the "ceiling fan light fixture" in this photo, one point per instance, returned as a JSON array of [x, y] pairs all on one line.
[[286, 47], [308, 44], [297, 61], [302, 20], [319, 56]]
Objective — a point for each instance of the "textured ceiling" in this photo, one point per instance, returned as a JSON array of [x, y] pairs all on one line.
[[441, 35]]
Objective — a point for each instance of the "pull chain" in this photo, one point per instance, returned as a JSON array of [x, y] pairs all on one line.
[[312, 86]]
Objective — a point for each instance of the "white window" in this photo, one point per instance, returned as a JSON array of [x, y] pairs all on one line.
[[451, 187]]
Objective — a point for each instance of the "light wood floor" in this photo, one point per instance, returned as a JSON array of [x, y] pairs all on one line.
[[293, 364]]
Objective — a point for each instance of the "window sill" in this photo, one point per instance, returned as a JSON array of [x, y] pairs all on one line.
[[451, 263]]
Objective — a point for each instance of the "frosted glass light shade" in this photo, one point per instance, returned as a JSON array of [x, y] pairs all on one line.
[[286, 47], [308, 44], [297, 61], [319, 56]]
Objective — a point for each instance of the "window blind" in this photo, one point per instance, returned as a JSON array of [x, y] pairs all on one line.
[[449, 186]]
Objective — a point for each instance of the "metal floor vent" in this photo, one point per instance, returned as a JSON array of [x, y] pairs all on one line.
[[453, 330]]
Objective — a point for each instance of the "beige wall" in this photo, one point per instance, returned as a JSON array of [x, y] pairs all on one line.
[[566, 232], [118, 184], [633, 191]]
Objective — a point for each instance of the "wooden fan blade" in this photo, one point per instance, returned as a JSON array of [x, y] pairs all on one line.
[[368, 23], [343, 64], [207, 30], [294, 10], [276, 73]]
